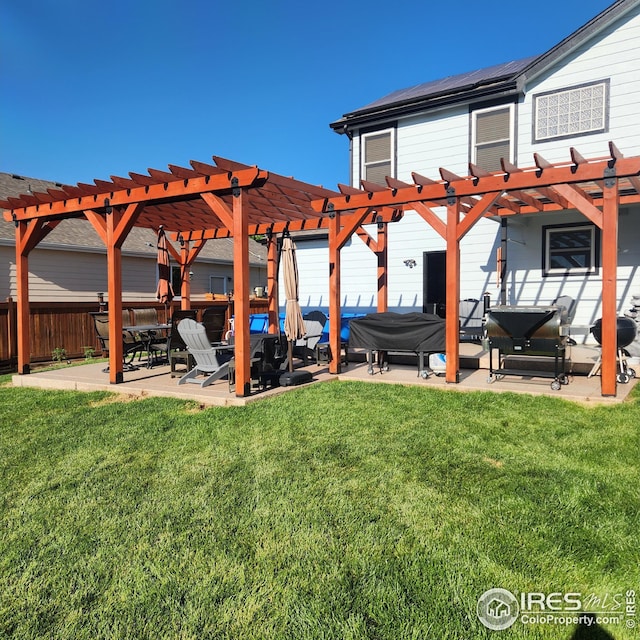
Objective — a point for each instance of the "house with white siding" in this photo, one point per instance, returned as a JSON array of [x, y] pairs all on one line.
[[70, 264], [582, 94]]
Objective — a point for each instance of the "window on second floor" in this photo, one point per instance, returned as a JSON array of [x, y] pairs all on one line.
[[578, 110], [492, 136], [377, 156]]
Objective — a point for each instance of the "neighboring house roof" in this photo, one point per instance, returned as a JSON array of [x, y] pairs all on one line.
[[79, 234], [499, 80]]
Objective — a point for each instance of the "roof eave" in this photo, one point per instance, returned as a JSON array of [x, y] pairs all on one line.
[[500, 89], [574, 40]]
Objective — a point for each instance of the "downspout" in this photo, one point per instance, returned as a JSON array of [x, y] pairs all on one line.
[[503, 260]]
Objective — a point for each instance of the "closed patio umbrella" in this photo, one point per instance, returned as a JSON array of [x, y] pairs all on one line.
[[164, 292], [293, 323]]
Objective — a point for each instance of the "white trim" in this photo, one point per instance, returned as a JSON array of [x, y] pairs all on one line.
[[363, 146]]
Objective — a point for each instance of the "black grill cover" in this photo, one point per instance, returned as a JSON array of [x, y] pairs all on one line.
[[391, 331]]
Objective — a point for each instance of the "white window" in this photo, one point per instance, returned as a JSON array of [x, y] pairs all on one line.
[[377, 156], [492, 136], [570, 250], [574, 111]]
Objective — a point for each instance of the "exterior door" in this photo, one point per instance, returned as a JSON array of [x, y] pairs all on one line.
[[434, 283]]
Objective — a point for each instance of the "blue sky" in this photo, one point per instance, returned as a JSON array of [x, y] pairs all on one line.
[[93, 89]]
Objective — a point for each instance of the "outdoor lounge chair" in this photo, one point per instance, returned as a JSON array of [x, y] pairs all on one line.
[[156, 342], [471, 320], [212, 361], [213, 319], [570, 305], [177, 349], [305, 347]]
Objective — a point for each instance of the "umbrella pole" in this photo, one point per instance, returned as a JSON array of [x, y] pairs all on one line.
[[290, 354]]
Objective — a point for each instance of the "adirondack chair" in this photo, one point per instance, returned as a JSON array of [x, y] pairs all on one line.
[[211, 361]]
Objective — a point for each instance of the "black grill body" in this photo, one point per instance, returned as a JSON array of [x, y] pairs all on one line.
[[528, 331], [625, 331]]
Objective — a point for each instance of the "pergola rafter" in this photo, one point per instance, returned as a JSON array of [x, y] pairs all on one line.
[[595, 188]]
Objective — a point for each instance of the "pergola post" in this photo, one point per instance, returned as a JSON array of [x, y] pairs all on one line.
[[609, 286], [114, 296], [272, 282], [334, 293], [185, 280], [452, 321], [382, 256], [28, 235], [22, 307], [241, 294]]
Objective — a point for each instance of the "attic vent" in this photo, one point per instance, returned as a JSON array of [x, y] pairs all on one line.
[[16, 177]]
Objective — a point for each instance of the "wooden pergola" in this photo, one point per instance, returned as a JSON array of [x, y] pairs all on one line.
[[230, 199], [594, 187], [193, 205]]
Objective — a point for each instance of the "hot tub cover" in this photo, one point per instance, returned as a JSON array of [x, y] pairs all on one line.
[[389, 331]]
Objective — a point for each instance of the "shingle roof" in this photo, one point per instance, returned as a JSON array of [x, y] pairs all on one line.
[[79, 234], [459, 82]]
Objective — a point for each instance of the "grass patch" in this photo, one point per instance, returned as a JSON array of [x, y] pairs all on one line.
[[341, 510]]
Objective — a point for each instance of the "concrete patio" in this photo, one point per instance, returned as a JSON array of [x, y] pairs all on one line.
[[474, 369]]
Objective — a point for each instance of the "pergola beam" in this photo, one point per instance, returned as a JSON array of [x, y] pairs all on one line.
[[387, 214], [151, 192], [525, 179]]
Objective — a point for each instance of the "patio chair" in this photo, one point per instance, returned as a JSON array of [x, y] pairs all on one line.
[[213, 319], [211, 361], [177, 349], [156, 342], [314, 322], [130, 344], [570, 305], [471, 320]]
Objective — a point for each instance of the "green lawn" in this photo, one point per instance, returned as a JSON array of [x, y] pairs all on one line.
[[340, 510]]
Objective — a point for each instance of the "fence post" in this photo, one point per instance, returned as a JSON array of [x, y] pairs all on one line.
[[12, 330]]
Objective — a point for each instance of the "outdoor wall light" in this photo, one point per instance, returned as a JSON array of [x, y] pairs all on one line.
[[410, 262], [190, 275]]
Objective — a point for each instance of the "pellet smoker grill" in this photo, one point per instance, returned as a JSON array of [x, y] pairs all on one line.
[[528, 331]]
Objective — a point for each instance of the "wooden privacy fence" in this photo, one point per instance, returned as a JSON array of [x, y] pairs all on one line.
[[68, 326]]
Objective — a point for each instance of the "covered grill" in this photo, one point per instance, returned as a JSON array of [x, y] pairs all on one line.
[[420, 333], [528, 331]]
